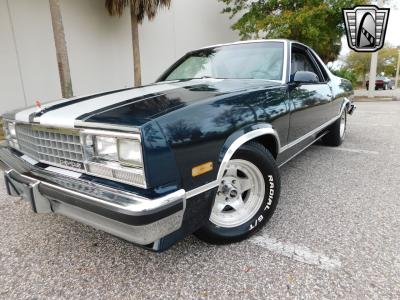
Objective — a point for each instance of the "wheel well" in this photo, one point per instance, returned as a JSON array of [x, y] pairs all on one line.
[[269, 142]]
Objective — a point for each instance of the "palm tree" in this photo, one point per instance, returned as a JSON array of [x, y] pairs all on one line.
[[61, 49], [139, 9]]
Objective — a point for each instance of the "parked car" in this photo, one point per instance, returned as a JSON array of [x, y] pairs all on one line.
[[383, 83], [198, 151]]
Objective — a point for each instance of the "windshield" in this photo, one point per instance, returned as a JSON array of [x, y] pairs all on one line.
[[241, 61]]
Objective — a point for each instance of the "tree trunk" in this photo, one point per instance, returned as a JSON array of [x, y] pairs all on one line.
[[61, 49], [136, 49]]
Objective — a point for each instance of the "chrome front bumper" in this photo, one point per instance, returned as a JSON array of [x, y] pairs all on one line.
[[129, 216]]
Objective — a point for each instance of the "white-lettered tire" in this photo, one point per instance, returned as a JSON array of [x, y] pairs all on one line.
[[247, 196], [337, 131]]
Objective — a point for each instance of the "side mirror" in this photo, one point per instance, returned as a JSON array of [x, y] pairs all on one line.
[[304, 77]]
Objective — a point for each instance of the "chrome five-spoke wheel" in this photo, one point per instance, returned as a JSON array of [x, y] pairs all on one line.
[[240, 194]]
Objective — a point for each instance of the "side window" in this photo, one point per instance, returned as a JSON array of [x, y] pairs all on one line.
[[302, 62], [321, 67]]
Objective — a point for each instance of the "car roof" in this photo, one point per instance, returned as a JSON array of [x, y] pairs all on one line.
[[252, 41]]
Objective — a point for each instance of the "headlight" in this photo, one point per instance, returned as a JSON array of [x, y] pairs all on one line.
[[117, 156], [106, 148], [10, 134], [130, 152], [11, 129]]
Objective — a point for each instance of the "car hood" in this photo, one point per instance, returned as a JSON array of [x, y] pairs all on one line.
[[135, 106]]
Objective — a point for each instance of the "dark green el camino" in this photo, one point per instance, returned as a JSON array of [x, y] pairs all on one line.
[[198, 151]]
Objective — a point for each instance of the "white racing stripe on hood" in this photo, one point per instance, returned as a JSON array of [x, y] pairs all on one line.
[[66, 116], [23, 116]]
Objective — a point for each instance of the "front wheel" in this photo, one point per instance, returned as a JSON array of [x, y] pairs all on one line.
[[246, 198]]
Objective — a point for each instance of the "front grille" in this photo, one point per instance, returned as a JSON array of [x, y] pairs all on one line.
[[53, 146]]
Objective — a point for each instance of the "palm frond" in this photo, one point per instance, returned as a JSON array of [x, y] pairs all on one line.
[[140, 8], [116, 7]]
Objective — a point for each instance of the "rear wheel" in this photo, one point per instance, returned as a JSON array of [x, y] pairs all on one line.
[[247, 196], [337, 132]]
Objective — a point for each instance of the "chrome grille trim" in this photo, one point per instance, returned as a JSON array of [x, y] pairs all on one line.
[[57, 147]]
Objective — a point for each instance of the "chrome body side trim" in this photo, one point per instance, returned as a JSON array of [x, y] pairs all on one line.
[[311, 133], [201, 189], [301, 150]]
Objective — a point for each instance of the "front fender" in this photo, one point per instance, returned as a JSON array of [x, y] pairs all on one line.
[[239, 138], [211, 131]]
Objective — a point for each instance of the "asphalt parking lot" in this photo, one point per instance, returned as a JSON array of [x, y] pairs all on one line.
[[335, 234]]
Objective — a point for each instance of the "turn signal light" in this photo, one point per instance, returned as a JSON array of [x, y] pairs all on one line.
[[201, 169]]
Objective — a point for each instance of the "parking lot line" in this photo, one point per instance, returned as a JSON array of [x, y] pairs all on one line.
[[371, 124], [297, 253], [361, 151], [377, 112]]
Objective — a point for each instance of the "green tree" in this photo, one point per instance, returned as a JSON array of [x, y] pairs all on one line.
[[359, 63], [387, 61], [317, 23], [347, 74], [139, 9]]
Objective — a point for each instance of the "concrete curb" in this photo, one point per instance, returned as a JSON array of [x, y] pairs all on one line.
[[376, 99]]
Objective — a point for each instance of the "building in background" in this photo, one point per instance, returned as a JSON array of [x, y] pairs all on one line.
[[99, 46]]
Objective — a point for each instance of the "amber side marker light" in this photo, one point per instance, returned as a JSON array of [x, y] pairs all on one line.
[[201, 169]]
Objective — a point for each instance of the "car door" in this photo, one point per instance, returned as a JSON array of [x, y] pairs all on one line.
[[310, 102]]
